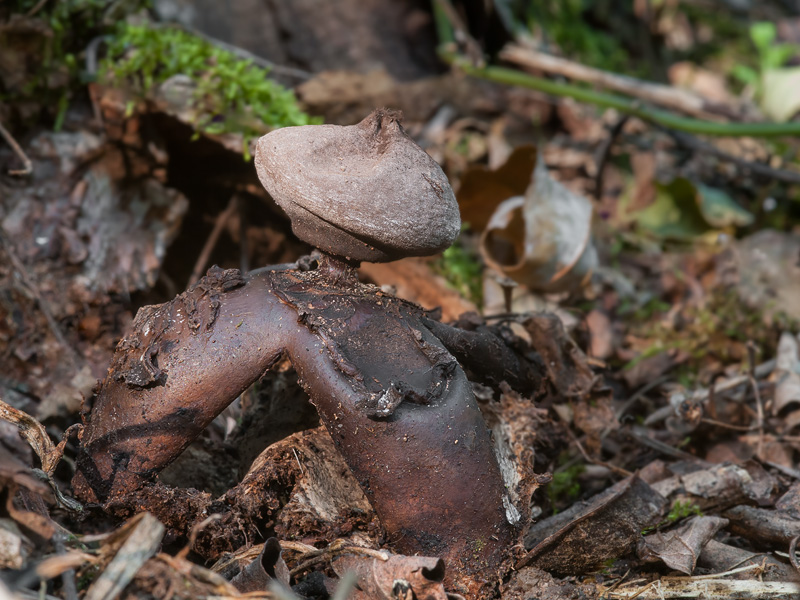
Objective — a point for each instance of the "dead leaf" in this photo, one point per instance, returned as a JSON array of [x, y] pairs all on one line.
[[482, 189], [680, 548], [399, 577], [601, 334], [542, 239], [413, 279], [35, 435], [780, 100], [266, 567]]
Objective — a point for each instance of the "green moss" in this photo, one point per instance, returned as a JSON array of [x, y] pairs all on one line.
[[463, 270], [565, 485], [230, 94], [679, 511]]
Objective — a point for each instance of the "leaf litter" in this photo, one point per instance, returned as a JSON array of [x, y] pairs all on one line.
[[675, 359]]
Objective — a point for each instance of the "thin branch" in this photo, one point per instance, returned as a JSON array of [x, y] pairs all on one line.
[[211, 242], [28, 169], [605, 152], [621, 103], [691, 142], [662, 95]]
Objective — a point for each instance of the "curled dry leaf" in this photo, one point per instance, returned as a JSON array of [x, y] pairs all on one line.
[[718, 557], [542, 239], [680, 548], [400, 576], [35, 435], [266, 567]]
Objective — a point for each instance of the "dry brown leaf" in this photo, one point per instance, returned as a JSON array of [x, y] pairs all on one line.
[[266, 567], [601, 334], [35, 435], [482, 189], [680, 548], [398, 577], [412, 279], [768, 271], [543, 239]]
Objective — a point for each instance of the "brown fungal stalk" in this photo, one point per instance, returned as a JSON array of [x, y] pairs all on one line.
[[395, 401]]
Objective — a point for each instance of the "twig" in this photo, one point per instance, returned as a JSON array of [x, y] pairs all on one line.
[[197, 528], [751, 354], [28, 169], [68, 576], [731, 426], [614, 586], [640, 435], [595, 461], [334, 548], [639, 394], [211, 242], [663, 95], [692, 143], [605, 152], [621, 103], [460, 34]]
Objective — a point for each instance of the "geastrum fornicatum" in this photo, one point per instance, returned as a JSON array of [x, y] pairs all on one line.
[[395, 401]]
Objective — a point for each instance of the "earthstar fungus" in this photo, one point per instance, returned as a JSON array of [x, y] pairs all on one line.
[[364, 192], [395, 401]]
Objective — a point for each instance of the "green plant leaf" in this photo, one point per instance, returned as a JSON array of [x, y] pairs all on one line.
[[719, 209], [683, 211], [763, 34], [675, 213], [745, 74]]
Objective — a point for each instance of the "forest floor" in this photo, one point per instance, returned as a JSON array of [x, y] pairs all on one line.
[[653, 269]]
